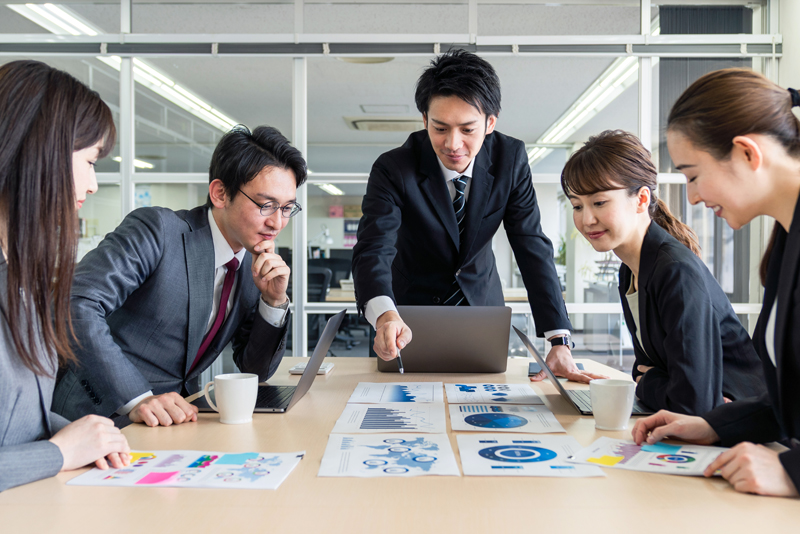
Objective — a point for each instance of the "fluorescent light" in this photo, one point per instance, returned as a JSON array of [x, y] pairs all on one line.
[[139, 164], [62, 21], [53, 19], [330, 189], [69, 19], [620, 75]]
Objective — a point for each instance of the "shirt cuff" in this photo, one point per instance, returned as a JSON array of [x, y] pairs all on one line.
[[376, 307], [274, 316], [125, 410], [553, 333]]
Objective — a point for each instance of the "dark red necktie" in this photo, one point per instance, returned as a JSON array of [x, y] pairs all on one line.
[[223, 306]]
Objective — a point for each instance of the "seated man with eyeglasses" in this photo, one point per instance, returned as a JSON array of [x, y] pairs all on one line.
[[156, 302]]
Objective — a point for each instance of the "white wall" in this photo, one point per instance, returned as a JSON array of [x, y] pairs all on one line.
[[789, 70]]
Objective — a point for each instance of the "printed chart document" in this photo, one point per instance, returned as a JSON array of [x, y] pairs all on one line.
[[657, 458], [509, 418], [522, 456], [380, 392], [388, 455], [392, 417], [491, 394], [197, 469]]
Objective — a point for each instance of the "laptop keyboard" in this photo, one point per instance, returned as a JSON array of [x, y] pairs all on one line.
[[582, 398], [274, 396]]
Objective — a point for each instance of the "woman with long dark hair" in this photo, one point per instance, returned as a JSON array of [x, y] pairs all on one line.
[[692, 353], [52, 131], [734, 136]]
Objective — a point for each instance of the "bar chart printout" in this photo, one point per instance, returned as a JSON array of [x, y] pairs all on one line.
[[382, 392], [392, 417]]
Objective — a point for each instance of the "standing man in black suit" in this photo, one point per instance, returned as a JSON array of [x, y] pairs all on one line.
[[433, 205]]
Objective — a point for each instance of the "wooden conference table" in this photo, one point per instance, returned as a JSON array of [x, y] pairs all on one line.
[[623, 501]]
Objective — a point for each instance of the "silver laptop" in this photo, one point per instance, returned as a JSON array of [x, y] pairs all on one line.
[[281, 398], [580, 399], [454, 339]]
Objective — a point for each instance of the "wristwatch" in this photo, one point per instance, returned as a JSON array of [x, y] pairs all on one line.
[[563, 339]]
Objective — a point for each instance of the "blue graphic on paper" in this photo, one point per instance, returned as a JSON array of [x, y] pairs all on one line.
[[403, 455], [517, 454], [495, 420], [401, 393], [253, 474], [466, 388], [237, 459], [661, 448]]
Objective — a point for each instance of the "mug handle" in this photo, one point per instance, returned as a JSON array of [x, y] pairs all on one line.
[[206, 390]]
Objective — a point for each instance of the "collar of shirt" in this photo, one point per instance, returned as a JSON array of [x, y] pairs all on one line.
[[450, 175], [223, 253]]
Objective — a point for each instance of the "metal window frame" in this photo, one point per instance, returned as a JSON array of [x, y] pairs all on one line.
[[300, 46]]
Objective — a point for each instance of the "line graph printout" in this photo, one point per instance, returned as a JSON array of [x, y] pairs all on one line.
[[196, 469], [526, 456], [656, 458], [510, 418], [388, 455], [392, 417], [381, 392], [491, 394]]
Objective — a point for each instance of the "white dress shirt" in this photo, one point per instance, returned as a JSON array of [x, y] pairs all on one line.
[[377, 306], [223, 253]]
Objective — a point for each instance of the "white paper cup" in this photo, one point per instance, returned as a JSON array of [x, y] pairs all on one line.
[[612, 402], [236, 395]]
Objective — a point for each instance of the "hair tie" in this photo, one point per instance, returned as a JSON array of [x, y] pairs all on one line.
[[795, 97]]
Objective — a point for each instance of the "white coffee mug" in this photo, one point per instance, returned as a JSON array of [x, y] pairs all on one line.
[[612, 402], [236, 395]]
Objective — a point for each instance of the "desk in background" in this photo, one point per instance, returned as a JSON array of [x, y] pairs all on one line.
[[623, 501], [512, 294]]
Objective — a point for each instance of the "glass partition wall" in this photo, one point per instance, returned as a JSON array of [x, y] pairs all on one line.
[[338, 80]]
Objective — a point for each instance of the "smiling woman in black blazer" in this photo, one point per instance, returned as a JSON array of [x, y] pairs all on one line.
[[692, 353], [734, 136]]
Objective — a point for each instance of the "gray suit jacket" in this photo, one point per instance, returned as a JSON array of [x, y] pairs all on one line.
[[25, 418], [140, 305]]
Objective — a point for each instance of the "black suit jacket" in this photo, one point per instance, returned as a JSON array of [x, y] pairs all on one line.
[[775, 416], [697, 347], [140, 304], [408, 243]]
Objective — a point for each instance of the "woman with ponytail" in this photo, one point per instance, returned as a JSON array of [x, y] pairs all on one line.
[[692, 353], [734, 136]]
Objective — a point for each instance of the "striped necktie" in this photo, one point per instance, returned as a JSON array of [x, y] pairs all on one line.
[[455, 297]]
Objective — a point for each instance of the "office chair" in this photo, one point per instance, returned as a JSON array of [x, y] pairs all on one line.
[[318, 280]]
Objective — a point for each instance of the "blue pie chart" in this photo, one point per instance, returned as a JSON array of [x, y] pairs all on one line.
[[517, 454], [496, 420]]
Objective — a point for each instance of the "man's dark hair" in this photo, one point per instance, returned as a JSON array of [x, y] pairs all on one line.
[[240, 155], [462, 74]]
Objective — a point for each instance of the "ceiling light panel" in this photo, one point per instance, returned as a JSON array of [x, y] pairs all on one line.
[[61, 20]]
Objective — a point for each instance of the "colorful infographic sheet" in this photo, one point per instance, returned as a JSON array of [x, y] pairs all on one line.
[[388, 455], [381, 392], [392, 417], [658, 458], [522, 456], [510, 418], [197, 469], [491, 394]]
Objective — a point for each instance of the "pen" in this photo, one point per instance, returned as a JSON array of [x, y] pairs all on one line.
[[400, 362]]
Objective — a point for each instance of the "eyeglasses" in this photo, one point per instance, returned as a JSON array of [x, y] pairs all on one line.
[[288, 211]]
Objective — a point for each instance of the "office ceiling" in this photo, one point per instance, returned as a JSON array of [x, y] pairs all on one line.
[[536, 90]]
